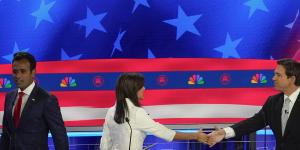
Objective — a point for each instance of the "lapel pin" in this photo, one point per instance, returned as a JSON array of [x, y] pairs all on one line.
[[33, 99]]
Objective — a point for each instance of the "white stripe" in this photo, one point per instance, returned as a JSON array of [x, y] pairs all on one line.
[[166, 111], [83, 113], [202, 111]]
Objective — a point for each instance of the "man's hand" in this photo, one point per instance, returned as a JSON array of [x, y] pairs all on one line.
[[202, 137], [215, 136]]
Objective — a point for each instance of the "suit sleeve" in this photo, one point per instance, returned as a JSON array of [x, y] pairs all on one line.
[[55, 122], [5, 138], [256, 122]]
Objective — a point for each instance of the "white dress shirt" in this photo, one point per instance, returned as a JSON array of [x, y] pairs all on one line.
[[116, 136], [293, 97], [25, 97]]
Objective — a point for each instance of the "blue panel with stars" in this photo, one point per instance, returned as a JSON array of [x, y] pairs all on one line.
[[55, 30]]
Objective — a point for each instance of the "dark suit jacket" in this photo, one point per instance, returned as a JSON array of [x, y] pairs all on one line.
[[40, 115], [270, 114]]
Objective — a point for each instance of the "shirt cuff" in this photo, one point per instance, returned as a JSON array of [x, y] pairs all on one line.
[[172, 135], [229, 132]]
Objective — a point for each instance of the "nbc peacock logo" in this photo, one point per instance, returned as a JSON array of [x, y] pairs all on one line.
[[196, 79], [5, 83], [259, 78], [68, 82]]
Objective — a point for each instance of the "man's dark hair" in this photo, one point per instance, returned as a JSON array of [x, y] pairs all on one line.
[[24, 55], [292, 68], [127, 86]]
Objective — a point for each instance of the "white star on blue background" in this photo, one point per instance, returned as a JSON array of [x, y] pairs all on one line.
[[256, 4], [290, 25], [117, 43], [43, 13], [139, 2], [16, 49], [297, 54], [150, 54], [65, 56], [92, 22], [184, 23], [229, 48]]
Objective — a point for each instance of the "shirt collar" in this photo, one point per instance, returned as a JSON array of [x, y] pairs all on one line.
[[293, 96], [129, 103], [28, 90]]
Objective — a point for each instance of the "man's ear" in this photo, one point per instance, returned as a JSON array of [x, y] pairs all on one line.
[[33, 72], [293, 79]]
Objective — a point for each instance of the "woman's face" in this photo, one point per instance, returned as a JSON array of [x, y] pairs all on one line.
[[140, 93]]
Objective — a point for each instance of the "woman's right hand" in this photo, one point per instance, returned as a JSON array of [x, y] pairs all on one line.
[[202, 137]]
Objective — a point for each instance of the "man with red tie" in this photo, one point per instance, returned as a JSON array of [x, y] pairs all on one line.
[[30, 112]]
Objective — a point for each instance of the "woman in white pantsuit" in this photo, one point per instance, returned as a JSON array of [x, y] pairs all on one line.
[[126, 123]]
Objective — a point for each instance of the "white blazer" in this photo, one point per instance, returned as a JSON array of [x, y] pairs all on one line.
[[116, 136]]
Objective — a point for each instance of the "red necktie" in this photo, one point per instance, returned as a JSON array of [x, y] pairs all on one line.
[[18, 109]]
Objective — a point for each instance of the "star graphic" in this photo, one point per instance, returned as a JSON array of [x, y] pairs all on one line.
[[150, 54], [297, 55], [65, 56], [184, 23], [117, 43], [43, 13], [139, 2], [290, 25], [271, 57], [16, 49], [92, 22], [256, 4], [229, 48]]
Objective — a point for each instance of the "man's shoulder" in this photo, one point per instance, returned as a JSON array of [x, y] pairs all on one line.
[[43, 93], [12, 92], [276, 96]]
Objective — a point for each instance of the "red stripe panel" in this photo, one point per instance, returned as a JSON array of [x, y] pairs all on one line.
[[243, 96], [100, 122], [148, 65], [105, 99], [97, 99], [2, 99]]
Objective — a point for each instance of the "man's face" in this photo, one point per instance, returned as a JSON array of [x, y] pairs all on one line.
[[281, 81], [22, 75]]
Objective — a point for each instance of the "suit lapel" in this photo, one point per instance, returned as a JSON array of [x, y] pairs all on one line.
[[293, 116], [278, 112], [10, 108], [31, 99]]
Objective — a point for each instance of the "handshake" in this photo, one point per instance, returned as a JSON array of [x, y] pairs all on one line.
[[212, 138]]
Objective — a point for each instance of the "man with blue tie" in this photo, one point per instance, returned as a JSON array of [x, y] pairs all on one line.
[[30, 112], [281, 111]]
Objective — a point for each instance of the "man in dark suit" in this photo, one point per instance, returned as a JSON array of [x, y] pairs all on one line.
[[281, 111], [30, 112]]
